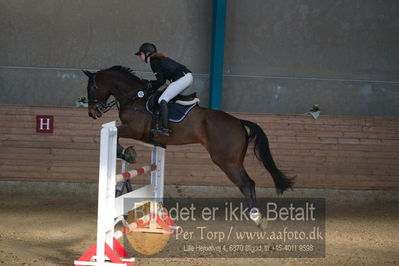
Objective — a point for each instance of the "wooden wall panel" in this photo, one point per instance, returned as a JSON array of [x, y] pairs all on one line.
[[330, 152]]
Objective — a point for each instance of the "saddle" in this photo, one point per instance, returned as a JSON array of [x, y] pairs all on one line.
[[179, 106]]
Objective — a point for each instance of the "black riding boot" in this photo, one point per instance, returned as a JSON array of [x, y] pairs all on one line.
[[164, 118]]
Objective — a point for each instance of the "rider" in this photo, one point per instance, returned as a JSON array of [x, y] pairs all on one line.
[[164, 68]]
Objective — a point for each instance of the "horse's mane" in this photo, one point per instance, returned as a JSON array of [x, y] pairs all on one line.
[[126, 71]]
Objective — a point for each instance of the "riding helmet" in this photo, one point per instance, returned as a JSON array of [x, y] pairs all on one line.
[[147, 47]]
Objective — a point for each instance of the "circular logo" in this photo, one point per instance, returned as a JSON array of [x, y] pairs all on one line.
[[140, 94], [149, 228]]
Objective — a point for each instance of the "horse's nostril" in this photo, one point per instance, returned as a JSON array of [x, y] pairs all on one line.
[[92, 115]]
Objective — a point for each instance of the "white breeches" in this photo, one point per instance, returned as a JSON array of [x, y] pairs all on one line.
[[176, 87]]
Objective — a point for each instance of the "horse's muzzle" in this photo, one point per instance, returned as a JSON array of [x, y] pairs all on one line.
[[94, 111]]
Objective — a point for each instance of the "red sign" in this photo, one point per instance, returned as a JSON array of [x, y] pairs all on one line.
[[45, 123]]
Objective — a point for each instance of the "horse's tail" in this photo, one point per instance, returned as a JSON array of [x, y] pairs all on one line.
[[262, 152]]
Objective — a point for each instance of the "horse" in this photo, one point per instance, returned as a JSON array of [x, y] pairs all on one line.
[[224, 136]]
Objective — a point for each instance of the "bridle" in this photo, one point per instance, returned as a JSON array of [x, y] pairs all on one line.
[[104, 107], [101, 107]]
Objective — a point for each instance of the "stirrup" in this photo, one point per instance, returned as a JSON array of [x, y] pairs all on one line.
[[162, 131]]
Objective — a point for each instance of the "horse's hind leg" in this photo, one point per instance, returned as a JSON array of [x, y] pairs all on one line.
[[228, 152], [240, 178]]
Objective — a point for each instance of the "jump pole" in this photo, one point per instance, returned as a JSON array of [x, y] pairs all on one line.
[[112, 209]]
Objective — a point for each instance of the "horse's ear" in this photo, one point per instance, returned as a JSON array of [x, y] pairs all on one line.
[[88, 73]]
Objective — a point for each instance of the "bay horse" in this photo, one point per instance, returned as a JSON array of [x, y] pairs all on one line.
[[224, 136]]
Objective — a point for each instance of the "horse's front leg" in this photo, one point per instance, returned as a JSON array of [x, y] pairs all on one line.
[[128, 154]]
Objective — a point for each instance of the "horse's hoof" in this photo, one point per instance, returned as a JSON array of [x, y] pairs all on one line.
[[130, 154], [262, 224], [258, 219]]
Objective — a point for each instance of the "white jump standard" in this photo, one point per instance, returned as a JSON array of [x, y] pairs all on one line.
[[111, 209]]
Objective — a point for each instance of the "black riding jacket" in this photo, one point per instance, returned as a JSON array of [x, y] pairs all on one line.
[[164, 69]]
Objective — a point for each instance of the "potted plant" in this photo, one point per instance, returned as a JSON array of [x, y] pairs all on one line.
[[81, 102], [315, 111]]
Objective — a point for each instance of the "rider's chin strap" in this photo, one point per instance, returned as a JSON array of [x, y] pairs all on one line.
[[146, 57]]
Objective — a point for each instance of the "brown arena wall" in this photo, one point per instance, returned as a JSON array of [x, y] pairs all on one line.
[[332, 152]]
